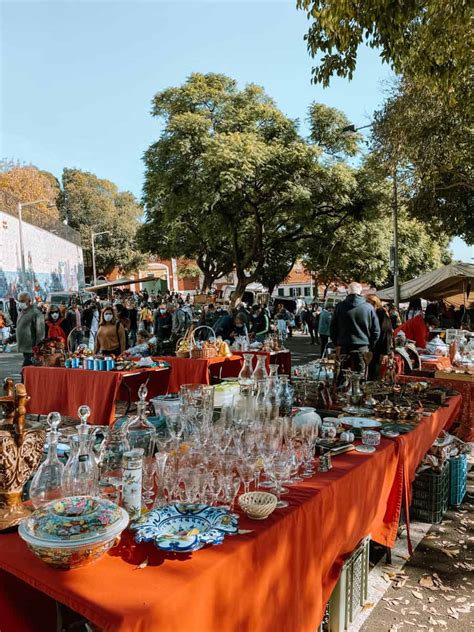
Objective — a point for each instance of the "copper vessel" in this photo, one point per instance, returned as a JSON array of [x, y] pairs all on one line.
[[20, 453]]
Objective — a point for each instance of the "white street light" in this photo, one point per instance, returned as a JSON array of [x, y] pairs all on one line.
[[93, 236]]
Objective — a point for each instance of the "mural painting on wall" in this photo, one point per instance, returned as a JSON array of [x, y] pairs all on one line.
[[51, 262]]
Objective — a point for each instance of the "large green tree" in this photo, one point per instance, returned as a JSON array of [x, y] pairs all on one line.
[[92, 204], [231, 183], [418, 38], [429, 139]]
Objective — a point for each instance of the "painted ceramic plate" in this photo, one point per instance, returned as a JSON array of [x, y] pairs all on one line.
[[390, 434], [183, 528], [360, 422]]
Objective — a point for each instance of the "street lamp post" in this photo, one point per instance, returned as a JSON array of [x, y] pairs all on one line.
[[394, 250], [93, 236]]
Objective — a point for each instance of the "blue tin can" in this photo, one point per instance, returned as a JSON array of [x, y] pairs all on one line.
[[68, 363], [102, 365], [90, 364], [96, 365]]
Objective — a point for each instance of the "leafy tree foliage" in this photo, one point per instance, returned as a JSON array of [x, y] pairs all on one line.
[[91, 204], [326, 130], [418, 38], [232, 184], [430, 137], [27, 183]]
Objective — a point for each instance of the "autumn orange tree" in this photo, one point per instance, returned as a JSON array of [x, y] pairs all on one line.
[[27, 183]]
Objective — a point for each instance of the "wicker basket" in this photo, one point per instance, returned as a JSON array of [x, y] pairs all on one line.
[[207, 352], [183, 354]]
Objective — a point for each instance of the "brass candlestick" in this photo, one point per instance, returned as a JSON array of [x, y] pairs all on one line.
[[20, 453]]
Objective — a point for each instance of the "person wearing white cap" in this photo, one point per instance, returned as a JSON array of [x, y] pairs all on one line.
[[355, 328]]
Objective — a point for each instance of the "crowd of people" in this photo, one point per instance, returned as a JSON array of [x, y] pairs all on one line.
[[359, 326]]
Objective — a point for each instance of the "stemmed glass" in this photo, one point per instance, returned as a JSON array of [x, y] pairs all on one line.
[[246, 472], [280, 470]]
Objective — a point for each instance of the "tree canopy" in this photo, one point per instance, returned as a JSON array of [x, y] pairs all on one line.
[[231, 183], [93, 204], [27, 183], [430, 139], [418, 38]]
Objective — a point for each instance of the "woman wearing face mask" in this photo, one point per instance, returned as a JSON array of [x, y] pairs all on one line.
[[55, 324], [110, 339]]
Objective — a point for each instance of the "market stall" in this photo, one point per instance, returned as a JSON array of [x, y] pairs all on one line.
[[453, 284], [274, 575], [199, 370], [463, 384], [64, 390]]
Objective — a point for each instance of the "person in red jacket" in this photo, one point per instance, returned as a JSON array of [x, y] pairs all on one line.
[[418, 329], [56, 325]]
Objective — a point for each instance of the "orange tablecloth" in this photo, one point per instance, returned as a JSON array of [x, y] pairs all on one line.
[[443, 362], [276, 578], [191, 371], [282, 358], [64, 390]]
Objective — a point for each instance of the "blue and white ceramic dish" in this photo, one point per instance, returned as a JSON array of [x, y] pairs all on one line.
[[183, 528]]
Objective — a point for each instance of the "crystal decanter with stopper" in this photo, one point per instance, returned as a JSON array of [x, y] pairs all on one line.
[[81, 474], [140, 433], [47, 483]]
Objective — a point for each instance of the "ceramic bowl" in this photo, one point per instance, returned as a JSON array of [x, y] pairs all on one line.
[[74, 531], [258, 505]]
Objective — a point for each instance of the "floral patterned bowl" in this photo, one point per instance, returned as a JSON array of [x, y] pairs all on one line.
[[72, 532], [183, 528]]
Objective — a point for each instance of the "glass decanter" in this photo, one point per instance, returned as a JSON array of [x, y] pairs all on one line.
[[112, 450], [246, 372], [286, 393], [81, 474], [139, 432], [260, 372], [47, 483]]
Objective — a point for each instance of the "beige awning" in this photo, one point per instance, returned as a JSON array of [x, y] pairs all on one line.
[[453, 284]]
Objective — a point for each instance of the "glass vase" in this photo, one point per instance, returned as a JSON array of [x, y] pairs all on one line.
[[246, 372], [260, 371]]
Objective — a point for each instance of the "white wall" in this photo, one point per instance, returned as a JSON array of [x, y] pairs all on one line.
[[52, 263]]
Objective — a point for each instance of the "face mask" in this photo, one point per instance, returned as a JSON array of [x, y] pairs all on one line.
[[55, 315], [22, 306], [162, 311], [108, 317]]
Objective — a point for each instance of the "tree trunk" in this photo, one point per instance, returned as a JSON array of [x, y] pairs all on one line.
[[239, 291], [207, 281]]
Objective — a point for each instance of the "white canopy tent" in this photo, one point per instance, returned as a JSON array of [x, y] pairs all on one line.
[[453, 284]]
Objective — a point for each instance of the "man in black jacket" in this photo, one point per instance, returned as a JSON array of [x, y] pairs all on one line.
[[355, 328]]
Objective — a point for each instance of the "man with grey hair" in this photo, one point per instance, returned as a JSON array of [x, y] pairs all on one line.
[[355, 328], [29, 328]]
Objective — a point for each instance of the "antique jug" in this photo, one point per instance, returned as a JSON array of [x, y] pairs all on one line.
[[20, 453]]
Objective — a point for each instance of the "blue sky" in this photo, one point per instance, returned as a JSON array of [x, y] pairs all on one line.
[[77, 77]]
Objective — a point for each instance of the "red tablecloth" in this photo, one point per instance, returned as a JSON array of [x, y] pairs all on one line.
[[282, 358], [278, 577], [191, 371], [465, 388], [64, 390]]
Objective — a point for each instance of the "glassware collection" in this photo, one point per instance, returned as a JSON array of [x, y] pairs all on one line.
[[205, 458]]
